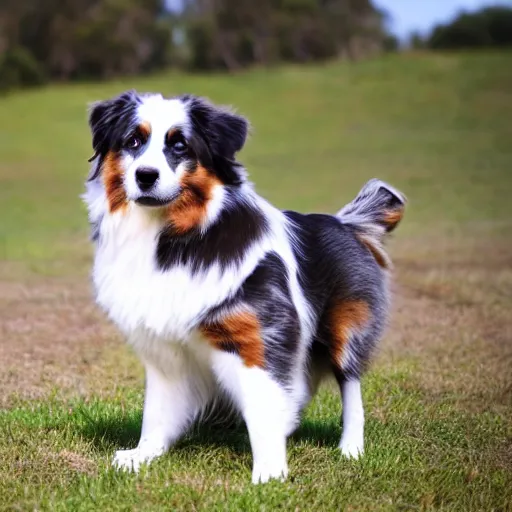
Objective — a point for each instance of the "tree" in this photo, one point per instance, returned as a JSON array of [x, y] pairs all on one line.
[[488, 27], [70, 39], [234, 33]]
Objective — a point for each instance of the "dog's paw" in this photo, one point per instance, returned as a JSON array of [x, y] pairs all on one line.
[[130, 460], [262, 473], [352, 447]]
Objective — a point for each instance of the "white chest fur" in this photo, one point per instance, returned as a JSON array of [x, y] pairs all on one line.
[[137, 295]]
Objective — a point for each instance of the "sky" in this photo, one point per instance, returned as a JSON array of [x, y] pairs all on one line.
[[422, 15]]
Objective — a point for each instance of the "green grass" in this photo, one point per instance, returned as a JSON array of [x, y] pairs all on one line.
[[419, 122], [438, 400], [419, 455]]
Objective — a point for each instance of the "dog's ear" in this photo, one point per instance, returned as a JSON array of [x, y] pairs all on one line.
[[223, 131], [231, 130], [109, 120]]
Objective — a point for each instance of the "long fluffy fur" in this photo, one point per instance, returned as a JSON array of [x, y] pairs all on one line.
[[224, 297]]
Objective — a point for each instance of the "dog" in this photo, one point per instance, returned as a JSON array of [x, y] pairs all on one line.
[[223, 296]]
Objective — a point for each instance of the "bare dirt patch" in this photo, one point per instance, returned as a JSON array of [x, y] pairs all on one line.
[[452, 314], [51, 337]]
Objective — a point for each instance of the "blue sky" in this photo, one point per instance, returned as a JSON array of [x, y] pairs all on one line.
[[421, 15]]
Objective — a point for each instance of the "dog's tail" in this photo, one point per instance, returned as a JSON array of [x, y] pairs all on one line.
[[376, 210]]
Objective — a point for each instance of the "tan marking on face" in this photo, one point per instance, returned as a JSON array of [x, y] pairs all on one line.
[[189, 210], [393, 217], [171, 132], [113, 180], [145, 129], [242, 331], [346, 317], [377, 251]]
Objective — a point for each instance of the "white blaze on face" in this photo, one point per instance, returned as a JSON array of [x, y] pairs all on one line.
[[159, 115]]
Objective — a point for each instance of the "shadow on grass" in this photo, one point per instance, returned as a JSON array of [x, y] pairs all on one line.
[[107, 433], [318, 433]]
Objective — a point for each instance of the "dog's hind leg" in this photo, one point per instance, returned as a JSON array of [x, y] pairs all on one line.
[[353, 329], [352, 439]]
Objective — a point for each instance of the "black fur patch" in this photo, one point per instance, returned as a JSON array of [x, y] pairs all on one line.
[[217, 135], [225, 242], [231, 347]]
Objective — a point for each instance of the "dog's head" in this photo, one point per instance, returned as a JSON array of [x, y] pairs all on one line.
[[165, 153]]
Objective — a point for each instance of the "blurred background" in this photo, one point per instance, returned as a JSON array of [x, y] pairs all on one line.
[[54, 40], [418, 93]]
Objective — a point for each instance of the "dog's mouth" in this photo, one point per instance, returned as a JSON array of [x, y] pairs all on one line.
[[155, 202]]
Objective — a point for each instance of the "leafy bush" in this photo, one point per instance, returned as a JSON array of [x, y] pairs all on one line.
[[18, 68]]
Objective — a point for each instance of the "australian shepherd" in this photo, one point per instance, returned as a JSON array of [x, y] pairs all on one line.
[[223, 296]]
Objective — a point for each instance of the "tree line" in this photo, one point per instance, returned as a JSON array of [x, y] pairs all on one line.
[[490, 27], [63, 40], [66, 40], [232, 34]]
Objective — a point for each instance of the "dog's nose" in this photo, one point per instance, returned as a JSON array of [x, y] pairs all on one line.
[[146, 178]]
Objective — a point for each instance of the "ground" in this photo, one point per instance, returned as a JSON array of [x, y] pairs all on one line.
[[439, 394]]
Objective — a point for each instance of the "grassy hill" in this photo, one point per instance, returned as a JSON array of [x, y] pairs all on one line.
[[439, 408]]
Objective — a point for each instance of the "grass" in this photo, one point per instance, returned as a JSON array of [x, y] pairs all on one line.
[[437, 456], [438, 399]]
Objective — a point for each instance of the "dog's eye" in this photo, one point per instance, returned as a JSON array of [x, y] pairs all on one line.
[[132, 142], [179, 147]]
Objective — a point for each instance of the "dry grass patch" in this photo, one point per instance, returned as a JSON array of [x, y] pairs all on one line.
[[452, 315], [52, 337]]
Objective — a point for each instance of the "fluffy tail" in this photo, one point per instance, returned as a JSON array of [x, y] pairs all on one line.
[[376, 210]]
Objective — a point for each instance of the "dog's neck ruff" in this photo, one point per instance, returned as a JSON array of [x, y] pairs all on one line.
[[138, 294]]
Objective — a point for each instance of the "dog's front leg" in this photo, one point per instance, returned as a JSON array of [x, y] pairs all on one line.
[[171, 403]]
